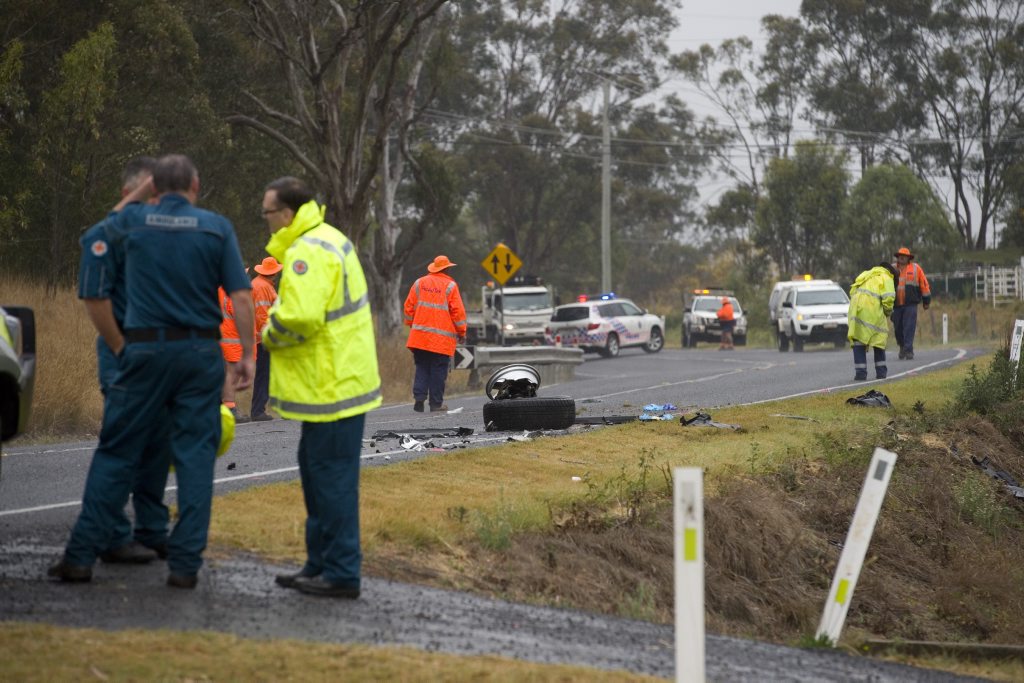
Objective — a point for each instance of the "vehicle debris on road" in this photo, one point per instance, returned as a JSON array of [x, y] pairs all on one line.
[[658, 407], [794, 417], [873, 399], [654, 417], [986, 466], [702, 419]]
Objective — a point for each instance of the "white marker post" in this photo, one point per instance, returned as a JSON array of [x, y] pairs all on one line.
[[689, 550], [1015, 344], [856, 547], [945, 329]]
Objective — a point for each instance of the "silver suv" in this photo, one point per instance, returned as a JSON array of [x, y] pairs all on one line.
[[700, 319]]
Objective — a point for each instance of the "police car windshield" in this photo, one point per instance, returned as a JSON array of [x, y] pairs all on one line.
[[569, 313], [712, 304], [525, 302], [822, 297]]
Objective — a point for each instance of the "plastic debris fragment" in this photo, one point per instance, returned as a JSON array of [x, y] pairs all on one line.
[[873, 399], [702, 419]]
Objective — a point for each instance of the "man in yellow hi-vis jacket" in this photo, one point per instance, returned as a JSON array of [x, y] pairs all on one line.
[[320, 338], [871, 300]]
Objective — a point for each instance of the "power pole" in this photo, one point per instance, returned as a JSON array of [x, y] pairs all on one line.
[[606, 197]]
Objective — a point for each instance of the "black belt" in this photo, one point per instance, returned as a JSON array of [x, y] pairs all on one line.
[[152, 334]]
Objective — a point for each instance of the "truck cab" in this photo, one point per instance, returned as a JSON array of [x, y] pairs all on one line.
[[516, 313]]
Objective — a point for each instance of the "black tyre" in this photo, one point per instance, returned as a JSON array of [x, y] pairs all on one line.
[[688, 341], [514, 414], [798, 344], [656, 341], [740, 340], [840, 344], [611, 347], [783, 342]]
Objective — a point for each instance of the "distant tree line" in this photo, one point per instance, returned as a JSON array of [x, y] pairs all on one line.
[[431, 127]]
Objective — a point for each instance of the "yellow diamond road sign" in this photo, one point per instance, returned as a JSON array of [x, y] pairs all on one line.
[[501, 263]]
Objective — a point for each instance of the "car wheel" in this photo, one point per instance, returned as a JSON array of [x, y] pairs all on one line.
[[798, 344], [656, 341], [611, 347], [840, 344], [686, 338], [513, 414], [783, 342], [740, 340]]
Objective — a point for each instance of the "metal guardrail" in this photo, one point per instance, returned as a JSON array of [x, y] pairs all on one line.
[[555, 364]]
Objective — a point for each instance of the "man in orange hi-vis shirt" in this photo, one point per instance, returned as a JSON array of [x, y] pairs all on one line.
[[437, 316], [263, 297], [912, 288], [231, 347]]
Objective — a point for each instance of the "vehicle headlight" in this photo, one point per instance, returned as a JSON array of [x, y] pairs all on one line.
[[799, 316], [510, 326]]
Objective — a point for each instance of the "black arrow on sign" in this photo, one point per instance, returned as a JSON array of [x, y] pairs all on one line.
[[494, 264], [508, 262]]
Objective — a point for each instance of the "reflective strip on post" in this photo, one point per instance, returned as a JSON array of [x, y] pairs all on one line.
[[688, 498], [856, 547]]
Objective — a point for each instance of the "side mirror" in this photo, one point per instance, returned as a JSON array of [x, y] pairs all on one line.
[[787, 304]]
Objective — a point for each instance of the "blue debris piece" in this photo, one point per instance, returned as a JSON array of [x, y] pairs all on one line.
[[651, 417], [656, 407]]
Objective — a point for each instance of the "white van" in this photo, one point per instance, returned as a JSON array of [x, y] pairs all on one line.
[[808, 311]]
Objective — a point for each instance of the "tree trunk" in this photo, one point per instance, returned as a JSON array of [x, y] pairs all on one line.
[[386, 299]]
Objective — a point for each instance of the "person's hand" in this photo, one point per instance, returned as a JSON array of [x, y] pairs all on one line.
[[462, 340], [244, 371]]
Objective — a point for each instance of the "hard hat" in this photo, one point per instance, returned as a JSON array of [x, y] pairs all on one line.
[[439, 264], [227, 430], [270, 266], [904, 252]]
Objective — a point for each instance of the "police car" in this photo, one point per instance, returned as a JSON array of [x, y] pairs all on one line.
[[605, 324]]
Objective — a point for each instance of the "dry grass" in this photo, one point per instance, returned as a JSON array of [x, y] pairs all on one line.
[[48, 653], [67, 400]]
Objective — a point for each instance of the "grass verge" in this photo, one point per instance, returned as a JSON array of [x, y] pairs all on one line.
[[946, 562], [46, 653]]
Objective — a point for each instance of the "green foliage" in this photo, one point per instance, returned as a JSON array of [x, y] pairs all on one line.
[[983, 392], [640, 603], [889, 207], [630, 497], [980, 504], [815, 642]]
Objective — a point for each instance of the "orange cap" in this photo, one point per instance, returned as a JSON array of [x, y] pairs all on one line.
[[439, 264], [270, 266]]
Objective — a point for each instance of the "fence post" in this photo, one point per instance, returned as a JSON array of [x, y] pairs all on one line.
[[688, 485], [945, 329]]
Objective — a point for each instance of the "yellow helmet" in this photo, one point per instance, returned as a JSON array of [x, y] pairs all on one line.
[[227, 430]]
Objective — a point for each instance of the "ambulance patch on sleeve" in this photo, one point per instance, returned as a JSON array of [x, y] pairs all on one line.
[[99, 248], [300, 267]]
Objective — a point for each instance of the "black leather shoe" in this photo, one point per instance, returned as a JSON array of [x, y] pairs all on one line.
[[130, 553], [317, 585], [70, 573], [418, 406], [262, 417], [909, 355], [288, 580], [182, 580]]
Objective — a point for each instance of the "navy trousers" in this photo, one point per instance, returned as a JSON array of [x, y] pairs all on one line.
[[151, 515], [329, 470], [431, 376], [177, 381], [904, 324], [261, 382], [860, 362]]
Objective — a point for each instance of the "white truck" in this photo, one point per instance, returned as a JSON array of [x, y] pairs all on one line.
[[514, 314]]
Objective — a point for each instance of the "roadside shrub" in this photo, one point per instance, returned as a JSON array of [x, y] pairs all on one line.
[[984, 392]]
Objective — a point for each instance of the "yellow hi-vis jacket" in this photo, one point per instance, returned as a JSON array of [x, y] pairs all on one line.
[[871, 300], [320, 333]]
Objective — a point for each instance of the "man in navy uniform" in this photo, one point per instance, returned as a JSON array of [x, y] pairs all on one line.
[[169, 363], [101, 288]]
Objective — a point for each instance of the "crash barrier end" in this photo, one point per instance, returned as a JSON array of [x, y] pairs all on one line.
[[554, 364]]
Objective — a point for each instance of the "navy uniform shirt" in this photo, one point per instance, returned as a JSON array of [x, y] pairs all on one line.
[[176, 256], [101, 269]]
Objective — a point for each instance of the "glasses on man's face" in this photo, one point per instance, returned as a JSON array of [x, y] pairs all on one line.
[[267, 212]]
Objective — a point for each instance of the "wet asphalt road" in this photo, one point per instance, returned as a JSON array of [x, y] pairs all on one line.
[[41, 486]]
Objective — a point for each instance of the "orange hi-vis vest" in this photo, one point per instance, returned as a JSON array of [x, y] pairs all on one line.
[[725, 313], [263, 297], [436, 314], [230, 341], [913, 287]]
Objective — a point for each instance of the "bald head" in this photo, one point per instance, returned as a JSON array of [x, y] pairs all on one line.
[[175, 173]]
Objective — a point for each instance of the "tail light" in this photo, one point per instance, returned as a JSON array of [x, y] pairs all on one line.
[[593, 326]]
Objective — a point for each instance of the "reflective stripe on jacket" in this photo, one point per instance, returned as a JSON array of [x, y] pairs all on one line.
[[913, 287], [320, 333], [871, 300], [263, 297], [435, 312]]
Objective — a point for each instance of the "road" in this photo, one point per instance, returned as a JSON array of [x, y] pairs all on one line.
[[41, 487]]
